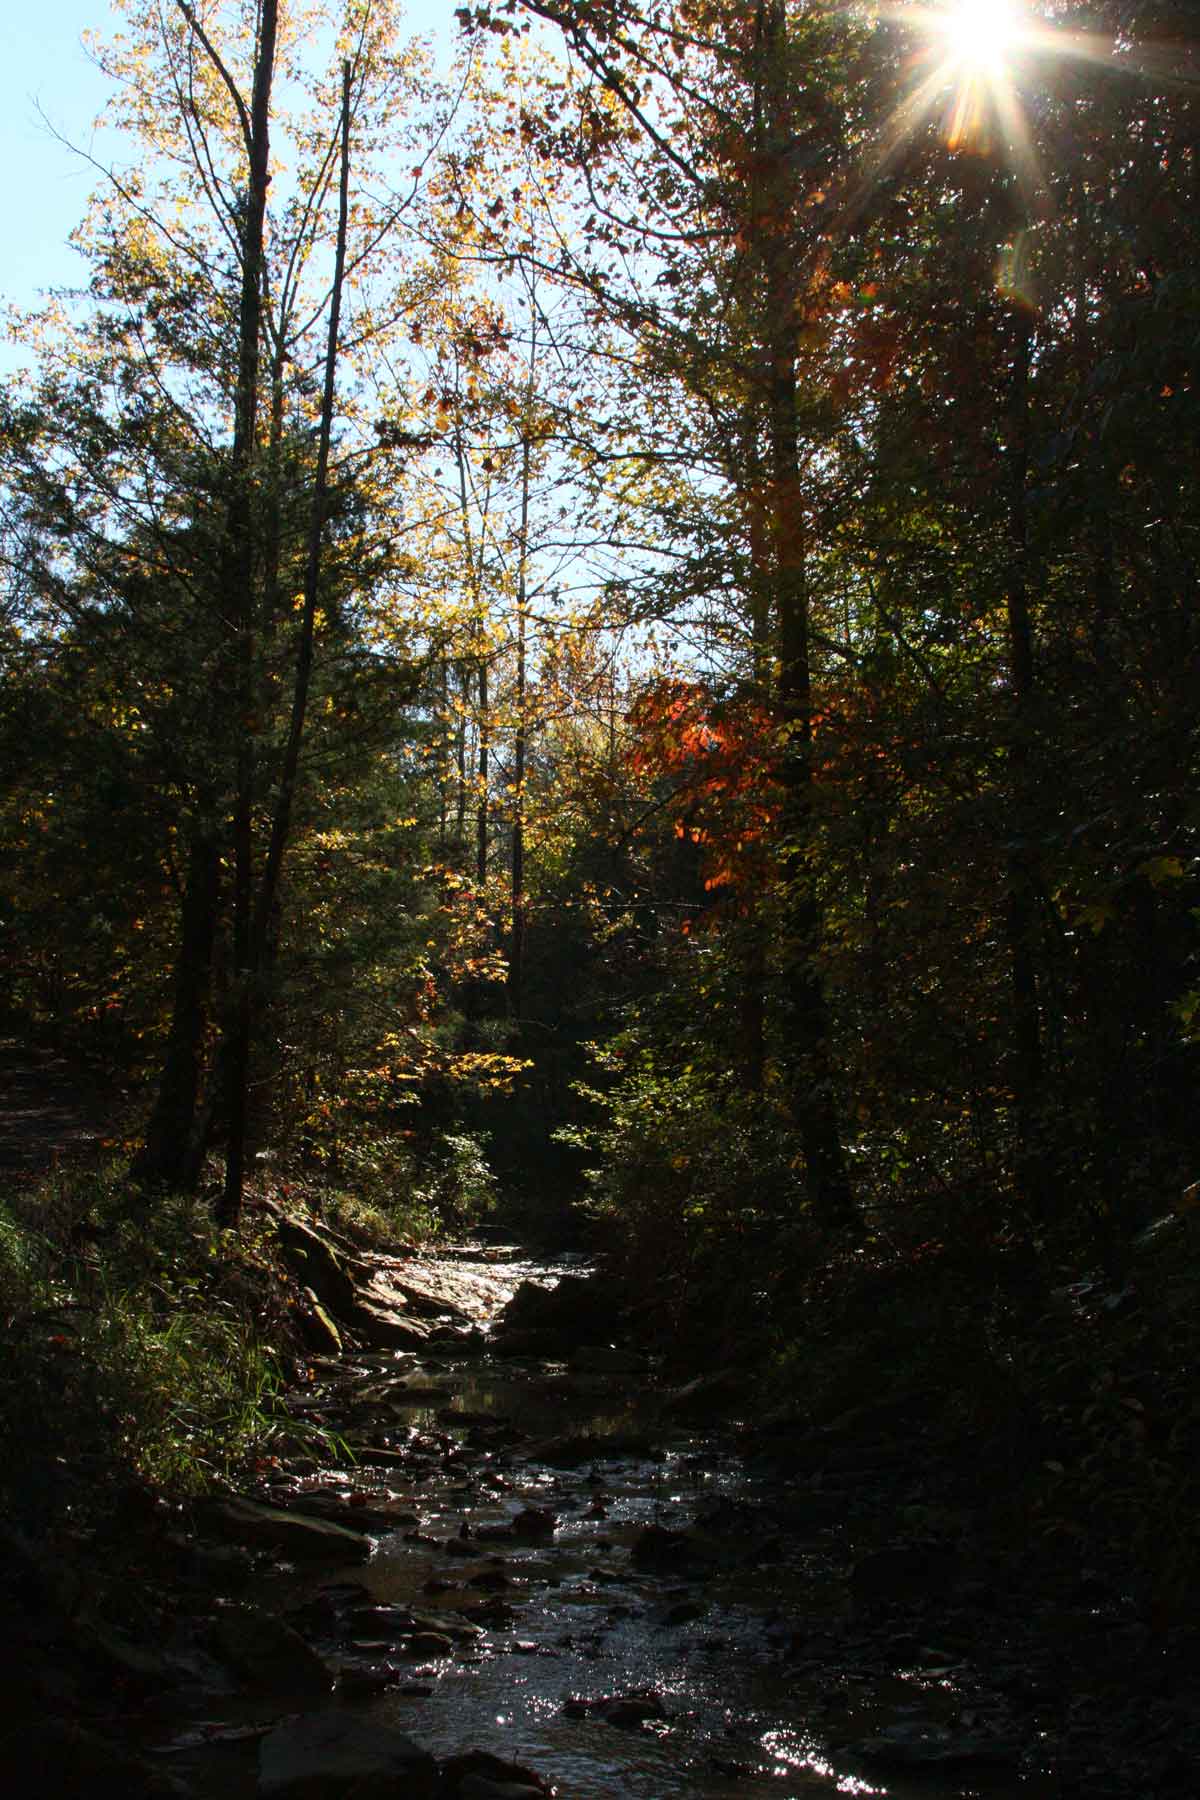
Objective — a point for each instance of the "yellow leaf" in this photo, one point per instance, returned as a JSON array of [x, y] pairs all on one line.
[[1162, 868]]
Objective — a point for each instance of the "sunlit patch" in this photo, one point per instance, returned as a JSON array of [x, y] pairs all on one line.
[[789, 1751]]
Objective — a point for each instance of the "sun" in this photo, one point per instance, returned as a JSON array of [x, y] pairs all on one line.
[[981, 35], [973, 62]]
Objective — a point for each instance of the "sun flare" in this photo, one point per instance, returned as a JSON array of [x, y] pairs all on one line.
[[972, 63], [981, 34]]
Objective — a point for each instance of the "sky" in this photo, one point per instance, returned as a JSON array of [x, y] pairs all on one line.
[[43, 64], [44, 70]]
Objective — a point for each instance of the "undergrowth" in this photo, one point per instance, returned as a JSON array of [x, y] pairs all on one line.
[[138, 1345], [1063, 1399], [385, 1191]]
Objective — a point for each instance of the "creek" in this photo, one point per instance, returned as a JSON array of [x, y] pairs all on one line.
[[567, 1576]]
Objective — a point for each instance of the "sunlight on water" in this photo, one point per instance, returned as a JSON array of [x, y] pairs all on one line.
[[793, 1752]]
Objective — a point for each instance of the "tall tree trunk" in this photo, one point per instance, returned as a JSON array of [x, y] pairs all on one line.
[[483, 816], [807, 1013], [266, 898], [752, 998], [463, 673], [476, 671], [444, 751], [165, 1158], [1021, 911], [237, 677], [516, 947], [302, 681], [238, 589]]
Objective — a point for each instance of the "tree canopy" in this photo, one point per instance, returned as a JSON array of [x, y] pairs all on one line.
[[629, 599]]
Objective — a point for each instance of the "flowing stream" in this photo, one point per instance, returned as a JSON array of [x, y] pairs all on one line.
[[621, 1604]]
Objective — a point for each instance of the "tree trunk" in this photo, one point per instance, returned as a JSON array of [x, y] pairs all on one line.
[[241, 612], [752, 999], [289, 772], [810, 1077], [482, 817], [516, 948], [1021, 909], [165, 1158]]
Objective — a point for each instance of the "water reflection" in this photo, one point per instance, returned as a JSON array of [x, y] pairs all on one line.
[[741, 1648]]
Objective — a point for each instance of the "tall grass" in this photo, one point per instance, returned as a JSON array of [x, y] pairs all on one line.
[[135, 1346]]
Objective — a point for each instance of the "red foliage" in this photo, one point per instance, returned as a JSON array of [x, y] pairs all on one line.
[[722, 757]]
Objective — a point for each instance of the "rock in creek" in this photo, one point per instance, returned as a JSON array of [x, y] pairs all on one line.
[[905, 1572], [317, 1329], [660, 1549], [332, 1754], [385, 1325], [479, 1776], [318, 1264], [73, 1761], [580, 1310], [627, 1711], [922, 1744], [287, 1533], [267, 1654], [606, 1359]]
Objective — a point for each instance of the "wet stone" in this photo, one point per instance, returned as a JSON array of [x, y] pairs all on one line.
[[920, 1744], [329, 1754], [477, 1775], [628, 1712]]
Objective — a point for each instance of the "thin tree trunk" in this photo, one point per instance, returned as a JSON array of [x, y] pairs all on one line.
[[482, 817], [282, 821], [238, 588], [752, 1003], [478, 670], [1021, 911], [460, 761], [444, 739], [268, 887], [238, 674], [164, 1157], [516, 948], [807, 1013]]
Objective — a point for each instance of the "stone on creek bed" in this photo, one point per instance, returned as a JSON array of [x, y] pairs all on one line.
[[268, 1654], [606, 1359], [335, 1754], [913, 1571], [580, 1310], [384, 1325], [922, 1744], [288, 1533], [480, 1776], [331, 1754], [626, 1711], [318, 1263]]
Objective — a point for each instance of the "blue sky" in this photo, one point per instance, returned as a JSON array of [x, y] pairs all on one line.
[[42, 63], [44, 193]]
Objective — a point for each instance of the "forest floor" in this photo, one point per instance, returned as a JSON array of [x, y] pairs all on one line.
[[50, 1109]]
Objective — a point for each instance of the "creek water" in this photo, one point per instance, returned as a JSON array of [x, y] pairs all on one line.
[[557, 1512]]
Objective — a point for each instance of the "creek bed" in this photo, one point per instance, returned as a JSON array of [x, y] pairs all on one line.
[[599, 1554]]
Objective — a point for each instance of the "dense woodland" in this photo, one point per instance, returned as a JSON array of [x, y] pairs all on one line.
[[598, 640], [605, 624]]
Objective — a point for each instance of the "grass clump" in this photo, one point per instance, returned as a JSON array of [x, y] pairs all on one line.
[[134, 1346]]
